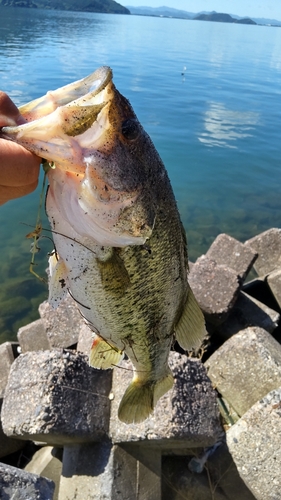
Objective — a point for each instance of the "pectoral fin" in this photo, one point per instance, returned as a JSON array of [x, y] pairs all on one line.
[[103, 355], [114, 275], [57, 282], [191, 330]]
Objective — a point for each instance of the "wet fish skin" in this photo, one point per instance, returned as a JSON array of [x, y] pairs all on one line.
[[120, 246]]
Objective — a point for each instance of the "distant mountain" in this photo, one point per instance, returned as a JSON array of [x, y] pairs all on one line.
[[267, 22], [160, 12], [103, 6], [171, 12], [223, 18]]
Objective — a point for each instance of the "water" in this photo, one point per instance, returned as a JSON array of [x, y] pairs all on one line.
[[207, 93]]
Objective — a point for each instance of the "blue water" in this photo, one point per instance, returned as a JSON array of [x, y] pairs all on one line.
[[207, 93]]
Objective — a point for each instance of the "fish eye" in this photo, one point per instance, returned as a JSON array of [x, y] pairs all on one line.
[[130, 129]]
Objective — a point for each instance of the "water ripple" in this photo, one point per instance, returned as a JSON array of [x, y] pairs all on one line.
[[222, 126]]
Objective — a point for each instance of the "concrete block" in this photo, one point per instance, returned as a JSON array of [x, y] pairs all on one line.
[[17, 484], [7, 444], [62, 325], [148, 469], [274, 283], [55, 397], [246, 312], [47, 462], [215, 287], [184, 417], [33, 337], [255, 445], [228, 251], [224, 475], [87, 472], [179, 483], [102, 471], [85, 339], [190, 265], [7, 357], [268, 247], [258, 288], [246, 367]]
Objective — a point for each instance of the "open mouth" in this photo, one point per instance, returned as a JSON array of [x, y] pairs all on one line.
[[92, 84], [54, 120]]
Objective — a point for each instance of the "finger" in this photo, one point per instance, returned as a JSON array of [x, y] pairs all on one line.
[[18, 166], [9, 113], [9, 193]]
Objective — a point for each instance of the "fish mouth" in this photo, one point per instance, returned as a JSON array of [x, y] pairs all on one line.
[[78, 128], [56, 119], [92, 84]]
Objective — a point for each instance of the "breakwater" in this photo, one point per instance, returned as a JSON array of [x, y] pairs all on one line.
[[213, 436]]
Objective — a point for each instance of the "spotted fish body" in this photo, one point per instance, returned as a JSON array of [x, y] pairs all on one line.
[[120, 248]]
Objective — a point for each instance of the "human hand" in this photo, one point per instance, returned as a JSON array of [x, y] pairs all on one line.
[[19, 168]]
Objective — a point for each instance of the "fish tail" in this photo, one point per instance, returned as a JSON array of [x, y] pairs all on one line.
[[141, 397]]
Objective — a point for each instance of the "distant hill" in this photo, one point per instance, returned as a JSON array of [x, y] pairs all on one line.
[[223, 18], [267, 22], [171, 12], [160, 12], [103, 6]]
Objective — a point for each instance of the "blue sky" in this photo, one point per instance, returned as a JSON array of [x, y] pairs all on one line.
[[270, 9]]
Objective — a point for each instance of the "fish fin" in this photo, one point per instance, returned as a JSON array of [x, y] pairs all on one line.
[[113, 273], [141, 397], [57, 282], [103, 355], [191, 330]]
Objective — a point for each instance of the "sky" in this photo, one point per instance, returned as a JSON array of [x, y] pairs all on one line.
[[270, 9]]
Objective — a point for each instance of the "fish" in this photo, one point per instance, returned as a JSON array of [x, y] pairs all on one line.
[[120, 248]]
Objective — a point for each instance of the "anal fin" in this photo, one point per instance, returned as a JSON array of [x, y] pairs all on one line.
[[103, 355], [190, 329]]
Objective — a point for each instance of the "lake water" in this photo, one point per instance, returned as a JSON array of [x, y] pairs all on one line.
[[207, 93]]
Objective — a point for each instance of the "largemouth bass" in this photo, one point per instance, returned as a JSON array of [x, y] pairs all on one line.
[[120, 247]]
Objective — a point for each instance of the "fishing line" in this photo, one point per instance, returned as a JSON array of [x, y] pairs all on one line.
[[38, 226], [80, 303], [60, 234], [84, 391], [36, 234]]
